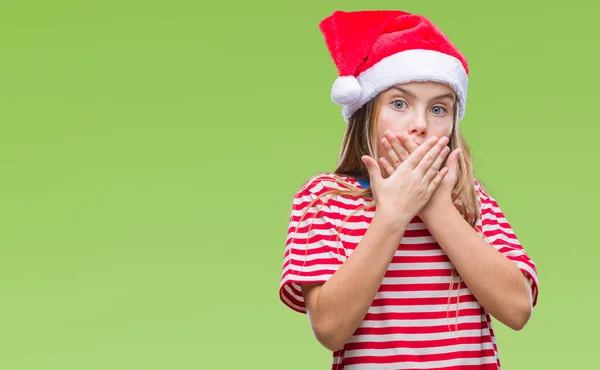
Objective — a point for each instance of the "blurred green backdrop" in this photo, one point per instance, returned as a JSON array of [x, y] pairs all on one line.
[[150, 151]]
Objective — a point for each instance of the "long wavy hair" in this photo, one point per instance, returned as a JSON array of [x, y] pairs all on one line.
[[360, 138]]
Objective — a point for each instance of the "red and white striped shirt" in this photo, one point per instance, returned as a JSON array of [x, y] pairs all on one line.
[[420, 318]]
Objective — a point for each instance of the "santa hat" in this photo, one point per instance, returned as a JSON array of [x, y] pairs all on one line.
[[374, 50]]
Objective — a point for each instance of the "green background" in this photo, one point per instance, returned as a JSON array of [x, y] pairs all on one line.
[[150, 151]]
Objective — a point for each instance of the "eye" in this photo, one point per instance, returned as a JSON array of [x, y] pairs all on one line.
[[438, 110], [399, 104]]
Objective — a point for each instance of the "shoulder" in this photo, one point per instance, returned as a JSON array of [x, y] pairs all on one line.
[[335, 193], [488, 205], [482, 194], [324, 182]]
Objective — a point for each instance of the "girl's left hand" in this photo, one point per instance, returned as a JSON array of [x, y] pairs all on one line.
[[398, 147]]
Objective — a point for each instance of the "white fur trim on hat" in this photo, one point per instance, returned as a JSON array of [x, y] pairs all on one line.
[[411, 66]]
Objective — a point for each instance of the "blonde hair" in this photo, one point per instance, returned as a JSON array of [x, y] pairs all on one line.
[[360, 139]]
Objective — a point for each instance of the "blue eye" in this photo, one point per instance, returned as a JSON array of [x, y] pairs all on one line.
[[437, 110], [399, 104]]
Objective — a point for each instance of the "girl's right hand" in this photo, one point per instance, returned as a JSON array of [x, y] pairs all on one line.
[[401, 196]]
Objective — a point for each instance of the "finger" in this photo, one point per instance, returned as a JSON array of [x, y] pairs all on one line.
[[394, 159], [453, 157], [436, 165], [431, 155], [400, 150], [373, 168], [415, 157], [452, 162], [387, 167], [437, 180], [407, 142]]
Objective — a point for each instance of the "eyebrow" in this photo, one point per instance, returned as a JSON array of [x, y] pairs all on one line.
[[443, 96]]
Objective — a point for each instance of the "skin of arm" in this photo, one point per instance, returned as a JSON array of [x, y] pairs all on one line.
[[495, 281], [336, 308]]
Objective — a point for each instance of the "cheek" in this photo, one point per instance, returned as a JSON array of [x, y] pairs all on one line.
[[383, 125], [390, 119], [442, 128]]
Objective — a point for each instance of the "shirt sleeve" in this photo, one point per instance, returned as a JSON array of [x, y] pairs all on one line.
[[497, 230], [313, 247]]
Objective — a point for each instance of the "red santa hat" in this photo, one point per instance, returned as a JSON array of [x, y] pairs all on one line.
[[374, 50]]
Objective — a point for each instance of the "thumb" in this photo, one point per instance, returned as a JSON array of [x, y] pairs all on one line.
[[373, 168], [453, 161]]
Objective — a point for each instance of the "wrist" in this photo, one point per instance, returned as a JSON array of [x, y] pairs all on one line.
[[440, 210], [391, 221]]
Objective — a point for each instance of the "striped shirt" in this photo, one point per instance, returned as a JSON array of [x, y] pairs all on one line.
[[423, 316]]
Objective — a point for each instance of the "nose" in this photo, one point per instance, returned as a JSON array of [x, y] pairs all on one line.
[[418, 126]]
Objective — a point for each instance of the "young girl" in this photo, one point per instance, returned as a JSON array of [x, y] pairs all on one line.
[[400, 262]]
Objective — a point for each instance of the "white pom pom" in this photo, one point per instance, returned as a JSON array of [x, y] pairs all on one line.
[[345, 90]]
